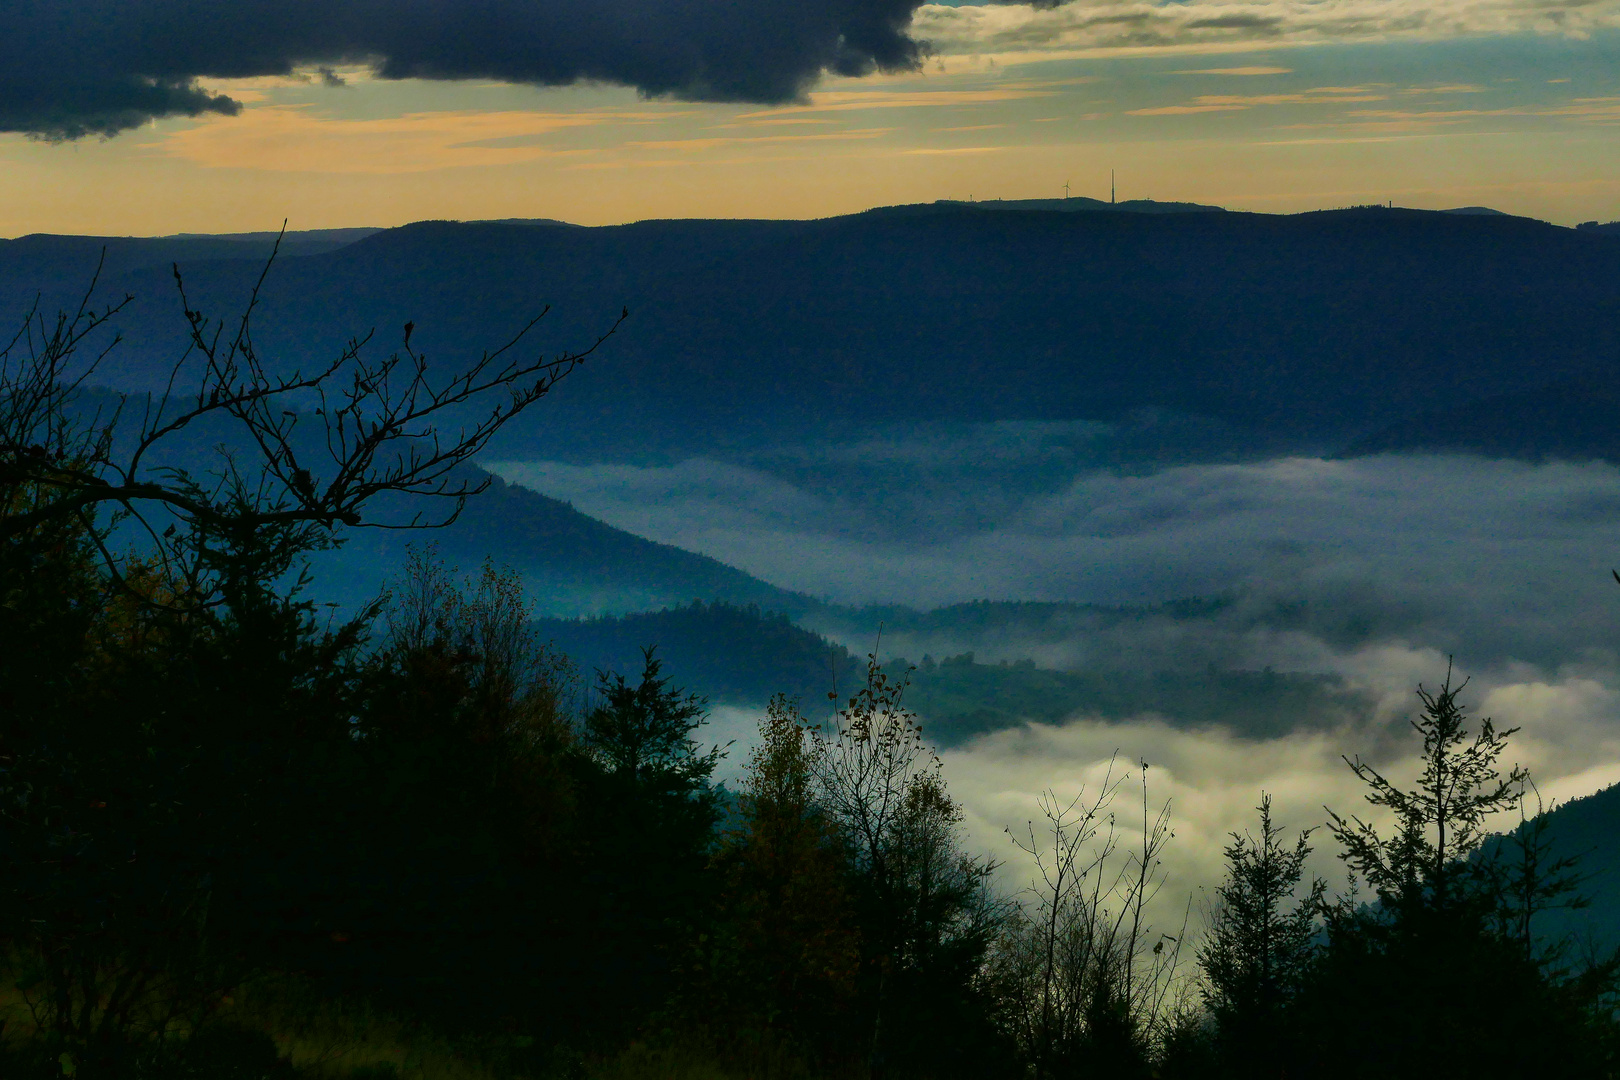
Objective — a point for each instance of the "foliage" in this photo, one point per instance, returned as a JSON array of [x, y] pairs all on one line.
[[148, 736], [414, 813], [1259, 948], [1436, 971], [783, 966], [926, 914], [1440, 822], [200, 778], [734, 653]]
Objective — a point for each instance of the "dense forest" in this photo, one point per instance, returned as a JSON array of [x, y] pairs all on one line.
[[242, 836], [234, 834]]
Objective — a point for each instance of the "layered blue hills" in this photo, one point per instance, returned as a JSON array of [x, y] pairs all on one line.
[[1326, 328]]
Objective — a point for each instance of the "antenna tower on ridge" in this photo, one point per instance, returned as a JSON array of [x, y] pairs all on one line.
[[1110, 187]]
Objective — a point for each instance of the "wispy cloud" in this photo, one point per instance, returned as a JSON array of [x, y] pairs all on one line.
[[710, 143], [292, 138], [1241, 71], [949, 150], [1600, 110], [1490, 559], [1373, 570], [1325, 95], [779, 121], [1007, 31], [1569, 737], [845, 100]]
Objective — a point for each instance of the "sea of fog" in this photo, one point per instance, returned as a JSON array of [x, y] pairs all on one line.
[[1377, 570]]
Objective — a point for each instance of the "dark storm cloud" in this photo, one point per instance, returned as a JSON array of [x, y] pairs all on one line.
[[70, 68], [1246, 21]]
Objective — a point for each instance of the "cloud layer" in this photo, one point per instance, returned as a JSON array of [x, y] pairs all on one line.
[[74, 68], [1501, 560], [1374, 570], [71, 68], [1213, 780], [1088, 26]]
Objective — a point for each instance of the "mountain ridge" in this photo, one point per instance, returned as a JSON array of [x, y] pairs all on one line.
[[1327, 325]]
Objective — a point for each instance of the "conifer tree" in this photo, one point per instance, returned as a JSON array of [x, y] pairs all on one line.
[[1441, 822], [784, 968], [1423, 981], [1259, 948]]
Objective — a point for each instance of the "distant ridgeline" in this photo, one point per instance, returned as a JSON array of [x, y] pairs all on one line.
[[962, 698], [742, 655], [1030, 619], [1324, 326], [728, 653], [1072, 205], [571, 564]]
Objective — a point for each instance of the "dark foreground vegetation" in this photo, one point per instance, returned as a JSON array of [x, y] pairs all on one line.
[[241, 838]]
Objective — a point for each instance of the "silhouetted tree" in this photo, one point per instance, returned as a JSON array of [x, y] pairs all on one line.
[[927, 917], [1528, 878], [1422, 981], [646, 853], [782, 972], [1259, 948], [1087, 983], [375, 434], [1439, 823], [183, 741]]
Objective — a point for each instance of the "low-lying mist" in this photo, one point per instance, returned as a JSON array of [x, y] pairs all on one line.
[[1376, 570]]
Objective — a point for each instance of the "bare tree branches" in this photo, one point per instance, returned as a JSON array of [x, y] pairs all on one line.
[[366, 427], [1085, 973]]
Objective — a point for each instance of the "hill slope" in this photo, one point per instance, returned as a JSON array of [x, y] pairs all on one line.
[[1322, 325], [1588, 829], [729, 653], [572, 564], [743, 655]]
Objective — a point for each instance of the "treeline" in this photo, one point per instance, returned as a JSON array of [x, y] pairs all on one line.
[[736, 654], [423, 809], [431, 811]]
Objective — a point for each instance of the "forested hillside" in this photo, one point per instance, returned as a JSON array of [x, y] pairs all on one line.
[[1587, 831], [744, 656], [725, 652], [572, 564], [1570, 420], [1320, 326]]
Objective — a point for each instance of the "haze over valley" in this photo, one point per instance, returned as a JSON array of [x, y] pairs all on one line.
[[1213, 489]]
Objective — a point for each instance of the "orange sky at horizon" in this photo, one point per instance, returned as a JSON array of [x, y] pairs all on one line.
[[1522, 122]]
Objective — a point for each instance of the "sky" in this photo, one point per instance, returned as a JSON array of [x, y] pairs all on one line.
[[155, 117]]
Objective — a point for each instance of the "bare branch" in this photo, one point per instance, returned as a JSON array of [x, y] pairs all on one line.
[[379, 426]]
